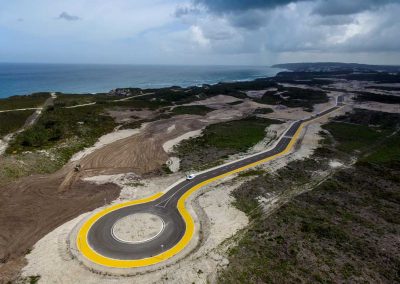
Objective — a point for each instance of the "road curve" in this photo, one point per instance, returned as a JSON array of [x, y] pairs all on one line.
[[97, 243]]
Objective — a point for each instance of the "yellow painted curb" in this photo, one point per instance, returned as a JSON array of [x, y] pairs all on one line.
[[93, 256]]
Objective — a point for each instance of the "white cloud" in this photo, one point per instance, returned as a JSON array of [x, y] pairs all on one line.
[[198, 37], [178, 31]]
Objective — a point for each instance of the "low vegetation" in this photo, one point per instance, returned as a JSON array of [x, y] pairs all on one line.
[[386, 99], [263, 111], [345, 230], [377, 77], [66, 100], [139, 103], [294, 97], [384, 88], [30, 279], [179, 96], [193, 109], [68, 129], [13, 120], [354, 137], [221, 140], [69, 100], [17, 102], [250, 173], [24, 164], [235, 103]]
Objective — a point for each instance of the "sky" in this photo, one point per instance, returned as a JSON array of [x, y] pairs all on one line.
[[204, 32]]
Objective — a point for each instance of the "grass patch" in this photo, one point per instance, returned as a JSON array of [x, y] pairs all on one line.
[[221, 140], [195, 109], [237, 135], [388, 152], [362, 130], [30, 101], [66, 100], [13, 120], [250, 173], [353, 137]]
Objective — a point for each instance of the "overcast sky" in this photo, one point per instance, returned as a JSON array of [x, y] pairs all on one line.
[[235, 32]]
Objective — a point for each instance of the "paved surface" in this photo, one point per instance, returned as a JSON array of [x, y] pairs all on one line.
[[101, 240]]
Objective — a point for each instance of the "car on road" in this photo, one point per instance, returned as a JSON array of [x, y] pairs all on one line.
[[191, 176]]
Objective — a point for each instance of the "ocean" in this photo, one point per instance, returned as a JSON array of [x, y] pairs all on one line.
[[22, 79]]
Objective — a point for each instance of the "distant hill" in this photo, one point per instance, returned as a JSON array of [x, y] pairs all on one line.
[[336, 66]]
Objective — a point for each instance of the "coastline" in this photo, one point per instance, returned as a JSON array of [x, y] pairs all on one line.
[[24, 79]]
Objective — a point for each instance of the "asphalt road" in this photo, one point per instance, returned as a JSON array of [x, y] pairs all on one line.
[[101, 239]]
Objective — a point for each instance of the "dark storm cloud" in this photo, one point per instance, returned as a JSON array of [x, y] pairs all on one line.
[[183, 11], [251, 20], [348, 7], [68, 17], [324, 7], [336, 20], [221, 6]]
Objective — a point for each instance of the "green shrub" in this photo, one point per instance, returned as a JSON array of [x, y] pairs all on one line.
[[194, 109], [13, 120], [29, 101]]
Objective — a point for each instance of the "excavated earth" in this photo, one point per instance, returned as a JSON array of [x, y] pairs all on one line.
[[35, 205]]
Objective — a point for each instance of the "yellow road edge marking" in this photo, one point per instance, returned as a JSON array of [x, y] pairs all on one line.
[[89, 253]]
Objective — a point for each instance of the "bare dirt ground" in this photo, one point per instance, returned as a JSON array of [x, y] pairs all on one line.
[[105, 140], [138, 227], [33, 206], [141, 153]]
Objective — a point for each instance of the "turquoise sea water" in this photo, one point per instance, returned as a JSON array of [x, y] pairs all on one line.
[[20, 79]]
